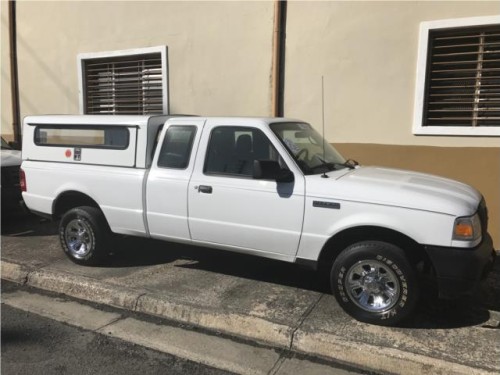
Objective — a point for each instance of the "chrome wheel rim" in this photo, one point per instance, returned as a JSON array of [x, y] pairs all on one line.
[[372, 285], [79, 238]]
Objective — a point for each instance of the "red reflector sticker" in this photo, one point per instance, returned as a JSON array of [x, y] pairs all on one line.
[[68, 153]]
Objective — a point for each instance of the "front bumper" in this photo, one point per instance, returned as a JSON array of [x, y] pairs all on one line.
[[458, 270]]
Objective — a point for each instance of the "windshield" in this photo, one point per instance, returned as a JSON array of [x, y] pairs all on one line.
[[305, 145], [5, 145]]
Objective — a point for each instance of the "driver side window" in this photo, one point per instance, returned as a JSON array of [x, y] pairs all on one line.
[[232, 151]]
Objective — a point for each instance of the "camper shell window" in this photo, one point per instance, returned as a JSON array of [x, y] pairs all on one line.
[[88, 136]]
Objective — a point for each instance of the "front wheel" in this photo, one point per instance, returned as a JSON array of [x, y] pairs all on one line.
[[84, 235], [374, 283]]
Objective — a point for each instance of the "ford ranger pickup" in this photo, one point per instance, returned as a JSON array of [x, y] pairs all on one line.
[[270, 187]]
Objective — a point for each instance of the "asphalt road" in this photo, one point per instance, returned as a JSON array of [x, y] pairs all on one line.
[[35, 345]]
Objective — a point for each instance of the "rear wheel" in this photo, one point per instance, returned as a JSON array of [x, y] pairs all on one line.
[[84, 235], [374, 283]]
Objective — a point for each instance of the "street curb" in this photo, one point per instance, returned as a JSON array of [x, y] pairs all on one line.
[[384, 359], [85, 288], [245, 326], [15, 272], [319, 344]]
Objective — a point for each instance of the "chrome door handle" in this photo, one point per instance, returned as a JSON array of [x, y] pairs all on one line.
[[205, 189]]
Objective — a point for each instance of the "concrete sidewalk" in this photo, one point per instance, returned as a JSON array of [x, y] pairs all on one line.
[[275, 303]]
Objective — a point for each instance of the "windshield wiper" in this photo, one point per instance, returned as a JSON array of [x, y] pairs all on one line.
[[349, 163], [329, 166]]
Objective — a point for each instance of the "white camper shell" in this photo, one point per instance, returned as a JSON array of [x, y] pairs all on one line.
[[121, 141]]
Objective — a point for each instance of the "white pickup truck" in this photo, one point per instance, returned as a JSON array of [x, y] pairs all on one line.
[[270, 187]]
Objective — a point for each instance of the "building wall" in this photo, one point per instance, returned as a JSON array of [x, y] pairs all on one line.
[[367, 53], [219, 52], [5, 97]]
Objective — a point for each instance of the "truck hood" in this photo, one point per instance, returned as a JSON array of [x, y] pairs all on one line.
[[11, 158], [394, 187]]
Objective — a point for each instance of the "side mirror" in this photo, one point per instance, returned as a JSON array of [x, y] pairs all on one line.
[[285, 175], [271, 170]]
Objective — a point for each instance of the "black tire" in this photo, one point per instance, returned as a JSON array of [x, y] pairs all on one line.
[[374, 283], [84, 235]]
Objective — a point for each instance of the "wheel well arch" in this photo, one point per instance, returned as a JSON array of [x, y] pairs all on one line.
[[337, 243], [71, 199]]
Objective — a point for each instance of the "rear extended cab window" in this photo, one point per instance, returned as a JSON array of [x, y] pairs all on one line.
[[176, 148]]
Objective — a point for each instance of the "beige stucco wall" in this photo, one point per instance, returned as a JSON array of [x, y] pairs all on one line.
[[367, 52], [219, 52], [5, 94], [220, 59]]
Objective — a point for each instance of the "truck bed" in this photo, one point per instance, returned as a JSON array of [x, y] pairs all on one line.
[[118, 191]]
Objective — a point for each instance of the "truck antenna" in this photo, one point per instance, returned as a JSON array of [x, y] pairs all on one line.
[[324, 175]]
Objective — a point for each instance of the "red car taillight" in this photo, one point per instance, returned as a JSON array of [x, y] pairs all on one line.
[[22, 180]]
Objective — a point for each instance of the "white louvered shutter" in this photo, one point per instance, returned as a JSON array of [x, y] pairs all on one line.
[[123, 85], [463, 77]]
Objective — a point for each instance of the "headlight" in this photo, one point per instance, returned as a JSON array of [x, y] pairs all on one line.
[[467, 228]]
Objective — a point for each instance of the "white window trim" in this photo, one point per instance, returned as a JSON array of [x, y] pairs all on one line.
[[127, 52], [423, 43]]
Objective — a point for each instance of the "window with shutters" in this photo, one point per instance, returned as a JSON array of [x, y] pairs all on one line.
[[458, 78], [131, 82]]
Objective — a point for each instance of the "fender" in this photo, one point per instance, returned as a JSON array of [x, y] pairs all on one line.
[[78, 198], [319, 229]]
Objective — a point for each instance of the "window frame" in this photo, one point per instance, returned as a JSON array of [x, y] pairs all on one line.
[[82, 57], [421, 76], [39, 127]]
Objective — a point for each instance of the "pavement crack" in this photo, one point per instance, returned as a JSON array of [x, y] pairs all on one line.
[[303, 318], [136, 302], [26, 280], [121, 317], [277, 365]]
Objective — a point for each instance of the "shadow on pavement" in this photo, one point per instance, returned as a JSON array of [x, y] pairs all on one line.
[[431, 313], [444, 314], [22, 224], [132, 252], [462, 312], [136, 252]]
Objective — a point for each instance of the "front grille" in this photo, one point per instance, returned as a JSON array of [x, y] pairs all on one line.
[[10, 176], [483, 215]]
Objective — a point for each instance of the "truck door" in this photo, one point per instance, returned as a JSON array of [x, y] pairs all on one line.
[[167, 183], [228, 207]]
